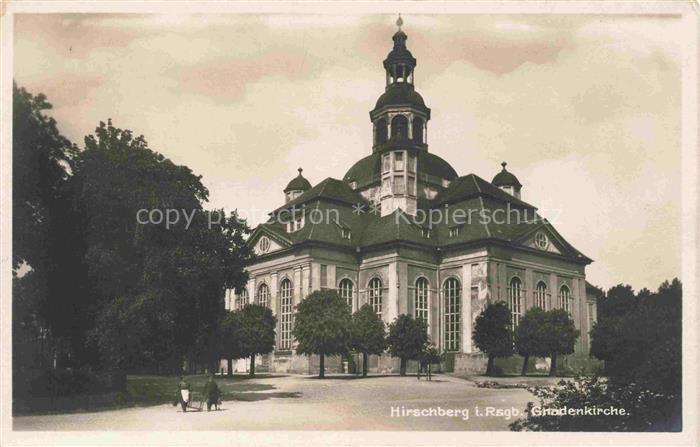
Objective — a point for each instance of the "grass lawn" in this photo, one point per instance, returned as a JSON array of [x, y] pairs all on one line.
[[156, 390], [149, 390]]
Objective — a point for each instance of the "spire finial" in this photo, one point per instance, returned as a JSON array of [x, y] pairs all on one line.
[[399, 22], [504, 165], [299, 170]]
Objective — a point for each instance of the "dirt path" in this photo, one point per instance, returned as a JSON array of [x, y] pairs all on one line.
[[304, 403]]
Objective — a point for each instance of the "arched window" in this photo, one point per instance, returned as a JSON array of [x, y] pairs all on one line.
[[418, 130], [375, 295], [286, 304], [541, 295], [345, 288], [263, 295], [452, 295], [514, 301], [380, 131], [565, 298], [399, 126], [241, 299], [421, 299]]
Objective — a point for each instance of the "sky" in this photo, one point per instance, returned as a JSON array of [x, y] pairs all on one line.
[[586, 110]]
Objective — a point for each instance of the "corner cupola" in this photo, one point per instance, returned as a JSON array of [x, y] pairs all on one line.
[[507, 182], [296, 187]]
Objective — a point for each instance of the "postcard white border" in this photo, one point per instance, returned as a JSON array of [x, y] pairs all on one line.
[[690, 226]]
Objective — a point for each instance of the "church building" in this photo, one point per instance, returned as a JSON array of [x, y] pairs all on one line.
[[405, 233]]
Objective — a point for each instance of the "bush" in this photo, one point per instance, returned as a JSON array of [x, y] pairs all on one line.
[[66, 382], [644, 410]]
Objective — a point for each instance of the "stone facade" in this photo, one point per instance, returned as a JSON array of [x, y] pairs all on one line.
[[373, 253]]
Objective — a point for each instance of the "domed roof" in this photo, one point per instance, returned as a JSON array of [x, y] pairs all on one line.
[[367, 169], [298, 183], [505, 178], [400, 93]]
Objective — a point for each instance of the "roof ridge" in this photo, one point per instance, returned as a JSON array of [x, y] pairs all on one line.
[[483, 207], [313, 225]]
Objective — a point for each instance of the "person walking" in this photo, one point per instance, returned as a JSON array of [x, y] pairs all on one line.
[[211, 393], [183, 393]]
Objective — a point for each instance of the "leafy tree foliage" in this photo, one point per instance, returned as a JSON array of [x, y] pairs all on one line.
[[529, 339], [137, 330], [41, 161], [322, 325], [368, 334], [606, 334], [546, 334], [406, 339], [637, 408], [492, 333], [559, 334], [45, 241], [231, 338], [646, 379], [257, 331], [100, 273]]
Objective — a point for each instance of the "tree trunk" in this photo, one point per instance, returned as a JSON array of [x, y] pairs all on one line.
[[553, 366], [252, 365], [321, 366], [229, 365], [489, 366], [430, 373], [402, 370], [523, 372], [365, 360]]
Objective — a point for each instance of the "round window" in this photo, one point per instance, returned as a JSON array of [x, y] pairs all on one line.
[[264, 244], [541, 241]]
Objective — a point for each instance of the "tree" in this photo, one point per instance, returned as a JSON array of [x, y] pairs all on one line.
[[136, 330], [257, 330], [231, 339], [429, 356], [368, 334], [46, 246], [322, 325], [606, 334], [559, 335], [406, 339], [529, 337], [492, 333]]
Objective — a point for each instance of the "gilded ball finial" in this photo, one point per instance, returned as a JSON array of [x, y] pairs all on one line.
[[399, 22], [299, 170], [504, 165]]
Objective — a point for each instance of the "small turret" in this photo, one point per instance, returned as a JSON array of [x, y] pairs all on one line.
[[296, 187], [507, 182]]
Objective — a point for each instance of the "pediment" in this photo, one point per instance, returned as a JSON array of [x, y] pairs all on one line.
[[544, 239], [265, 242]]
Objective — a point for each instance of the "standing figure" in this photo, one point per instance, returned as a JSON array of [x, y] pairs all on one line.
[[211, 393], [183, 393]]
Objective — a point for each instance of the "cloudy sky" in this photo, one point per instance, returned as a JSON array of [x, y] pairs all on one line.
[[585, 109]]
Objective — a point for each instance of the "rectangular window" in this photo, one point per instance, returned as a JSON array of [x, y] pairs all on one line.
[[454, 231], [398, 161], [411, 163], [399, 185], [386, 163], [286, 306], [386, 186], [411, 190], [324, 276]]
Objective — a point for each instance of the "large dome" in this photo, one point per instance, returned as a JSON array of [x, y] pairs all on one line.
[[367, 170]]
